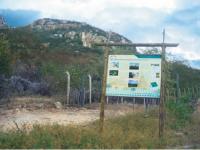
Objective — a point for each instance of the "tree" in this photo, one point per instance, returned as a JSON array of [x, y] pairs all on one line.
[[5, 56], [189, 77]]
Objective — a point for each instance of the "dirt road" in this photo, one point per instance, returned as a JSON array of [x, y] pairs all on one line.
[[11, 118]]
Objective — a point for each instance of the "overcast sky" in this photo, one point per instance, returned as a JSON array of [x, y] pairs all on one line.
[[138, 20]]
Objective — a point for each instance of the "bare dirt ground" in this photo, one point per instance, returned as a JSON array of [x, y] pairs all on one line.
[[23, 112]]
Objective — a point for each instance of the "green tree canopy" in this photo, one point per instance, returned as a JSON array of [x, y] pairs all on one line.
[[5, 56]]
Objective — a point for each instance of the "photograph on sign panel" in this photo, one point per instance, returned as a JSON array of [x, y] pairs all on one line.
[[132, 83], [115, 64], [157, 75], [113, 73], [134, 66], [133, 74]]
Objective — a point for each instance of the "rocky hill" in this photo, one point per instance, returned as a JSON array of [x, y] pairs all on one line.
[[75, 30], [59, 35]]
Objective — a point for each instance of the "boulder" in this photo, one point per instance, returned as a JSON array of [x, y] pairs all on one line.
[[16, 111], [58, 105]]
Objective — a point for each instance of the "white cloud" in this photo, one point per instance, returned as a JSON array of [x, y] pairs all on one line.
[[189, 42], [50, 4], [88, 9], [139, 20]]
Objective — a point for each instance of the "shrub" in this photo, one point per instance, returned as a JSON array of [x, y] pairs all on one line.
[[181, 111]]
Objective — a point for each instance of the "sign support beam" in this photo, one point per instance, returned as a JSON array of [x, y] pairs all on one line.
[[138, 44], [163, 45]]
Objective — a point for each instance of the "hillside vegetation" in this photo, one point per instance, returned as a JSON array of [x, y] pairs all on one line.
[[42, 51]]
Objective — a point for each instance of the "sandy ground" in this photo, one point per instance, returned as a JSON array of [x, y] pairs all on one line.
[[22, 115]]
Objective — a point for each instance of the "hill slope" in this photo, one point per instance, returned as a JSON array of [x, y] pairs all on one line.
[[45, 49]]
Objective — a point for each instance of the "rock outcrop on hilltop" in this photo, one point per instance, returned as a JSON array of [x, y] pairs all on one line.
[[75, 30]]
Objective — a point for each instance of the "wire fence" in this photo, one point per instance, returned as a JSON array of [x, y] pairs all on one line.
[[80, 95]]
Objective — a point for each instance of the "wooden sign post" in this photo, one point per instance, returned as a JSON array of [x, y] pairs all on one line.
[[103, 93], [162, 93], [163, 45]]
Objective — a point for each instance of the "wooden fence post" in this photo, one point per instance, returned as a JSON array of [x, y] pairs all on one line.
[[144, 105], [180, 93], [184, 92], [133, 104], [189, 91], [193, 92], [122, 100], [177, 87], [167, 93], [90, 88], [68, 86], [198, 91], [107, 99]]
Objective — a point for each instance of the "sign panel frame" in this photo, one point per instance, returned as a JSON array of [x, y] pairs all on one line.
[[134, 76]]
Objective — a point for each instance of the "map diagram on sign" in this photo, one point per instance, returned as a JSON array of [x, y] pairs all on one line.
[[134, 76]]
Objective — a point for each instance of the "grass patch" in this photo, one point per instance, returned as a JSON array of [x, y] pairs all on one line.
[[131, 131]]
